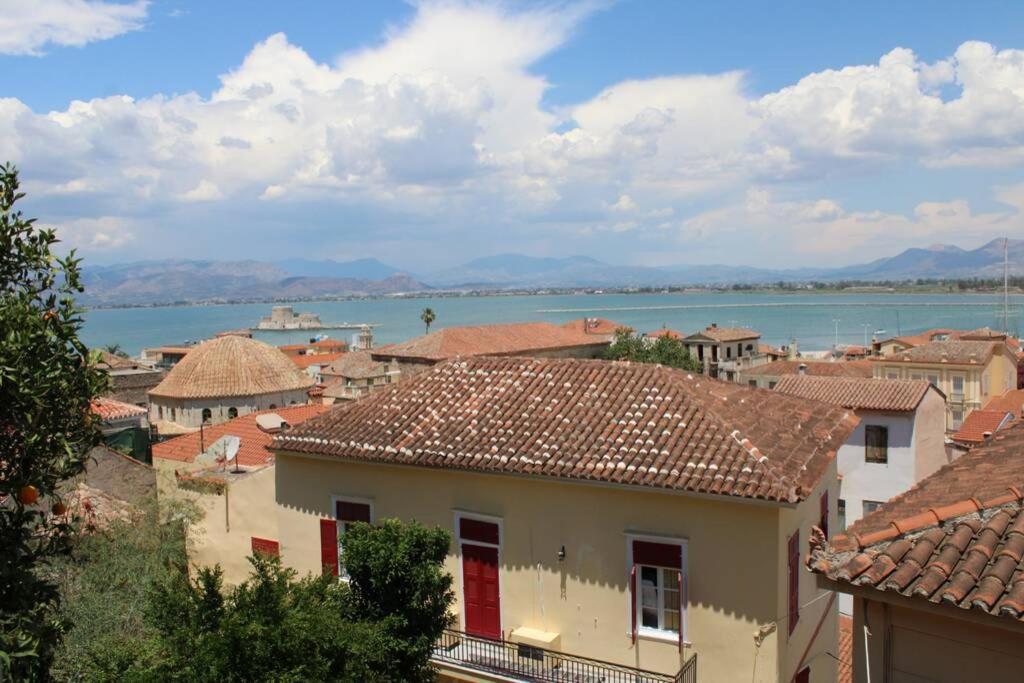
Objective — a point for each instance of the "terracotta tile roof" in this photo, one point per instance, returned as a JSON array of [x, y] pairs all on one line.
[[726, 334], [304, 362], [355, 365], [845, 657], [925, 336], [1011, 402], [983, 473], [109, 409], [232, 366], [858, 393], [111, 361], [598, 326], [968, 556], [632, 424], [328, 344], [502, 340], [980, 422], [954, 351], [252, 451], [780, 368], [664, 332]]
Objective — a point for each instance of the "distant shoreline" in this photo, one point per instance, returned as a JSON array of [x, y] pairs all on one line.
[[589, 291]]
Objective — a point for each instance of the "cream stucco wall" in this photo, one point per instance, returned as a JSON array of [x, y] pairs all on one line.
[[189, 413], [735, 566], [901, 644]]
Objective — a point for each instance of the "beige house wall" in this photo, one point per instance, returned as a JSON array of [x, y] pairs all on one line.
[[929, 436], [189, 413], [900, 644], [735, 559]]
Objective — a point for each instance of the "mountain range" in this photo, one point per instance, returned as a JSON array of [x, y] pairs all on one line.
[[156, 282]]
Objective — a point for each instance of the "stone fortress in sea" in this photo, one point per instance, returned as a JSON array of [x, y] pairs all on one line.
[[285, 318]]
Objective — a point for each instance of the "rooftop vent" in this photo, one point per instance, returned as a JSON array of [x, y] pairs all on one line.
[[271, 423]]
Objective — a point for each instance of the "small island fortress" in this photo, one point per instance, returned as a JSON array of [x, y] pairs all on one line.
[[285, 318]]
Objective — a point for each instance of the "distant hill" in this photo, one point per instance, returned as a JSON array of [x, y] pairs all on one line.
[[362, 269], [158, 282]]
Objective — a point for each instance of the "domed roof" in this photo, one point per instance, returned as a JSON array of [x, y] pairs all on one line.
[[232, 366]]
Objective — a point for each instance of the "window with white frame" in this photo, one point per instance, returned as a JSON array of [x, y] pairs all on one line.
[[349, 511], [658, 588]]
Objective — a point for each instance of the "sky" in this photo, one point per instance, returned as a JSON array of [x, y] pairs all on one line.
[[425, 134]]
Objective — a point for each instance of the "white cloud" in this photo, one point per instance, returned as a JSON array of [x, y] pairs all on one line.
[[95, 234], [28, 27], [443, 124]]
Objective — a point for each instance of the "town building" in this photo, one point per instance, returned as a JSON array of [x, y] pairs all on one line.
[[900, 439], [222, 379], [768, 375], [726, 351], [629, 513], [125, 427], [599, 327], [236, 497], [356, 374], [664, 332], [165, 357], [936, 573], [968, 372], [537, 340], [314, 364], [130, 381]]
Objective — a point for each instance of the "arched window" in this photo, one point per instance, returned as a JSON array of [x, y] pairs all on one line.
[[232, 413], [273, 406], [207, 414]]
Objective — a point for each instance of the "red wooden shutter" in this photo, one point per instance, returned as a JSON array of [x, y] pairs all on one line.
[[265, 546], [794, 580], [478, 530], [329, 546], [823, 523], [633, 599]]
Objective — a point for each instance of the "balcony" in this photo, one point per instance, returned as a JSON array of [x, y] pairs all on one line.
[[520, 662]]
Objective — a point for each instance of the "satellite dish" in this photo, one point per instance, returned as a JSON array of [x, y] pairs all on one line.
[[232, 443]]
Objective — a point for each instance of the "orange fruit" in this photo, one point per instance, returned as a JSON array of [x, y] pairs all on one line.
[[28, 495]]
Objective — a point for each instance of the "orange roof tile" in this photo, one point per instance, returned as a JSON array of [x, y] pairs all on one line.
[[109, 409], [599, 326], [355, 365], [664, 332], [981, 422], [1011, 402], [953, 351], [329, 343], [503, 340], [726, 334], [304, 362], [588, 420], [780, 368], [254, 441], [859, 393]]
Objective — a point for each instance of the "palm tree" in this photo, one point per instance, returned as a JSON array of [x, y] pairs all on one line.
[[428, 316], [115, 350]]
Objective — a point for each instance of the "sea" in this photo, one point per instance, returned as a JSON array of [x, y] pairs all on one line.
[[817, 321]]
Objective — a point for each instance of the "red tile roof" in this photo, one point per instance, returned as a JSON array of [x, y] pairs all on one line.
[[501, 340], [979, 423], [304, 362], [254, 441], [953, 351], [109, 409], [1011, 402], [598, 326], [355, 365], [859, 393], [967, 556], [664, 332], [632, 424], [726, 334], [983, 473], [780, 368], [329, 344]]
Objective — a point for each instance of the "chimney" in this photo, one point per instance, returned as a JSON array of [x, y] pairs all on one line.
[[794, 350], [986, 436], [803, 368], [714, 326]]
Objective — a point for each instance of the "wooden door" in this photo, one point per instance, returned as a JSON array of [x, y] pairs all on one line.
[[480, 590]]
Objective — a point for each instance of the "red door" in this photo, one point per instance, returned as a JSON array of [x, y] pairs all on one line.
[[480, 586]]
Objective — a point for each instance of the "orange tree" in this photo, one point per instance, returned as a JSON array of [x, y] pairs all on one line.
[[46, 428]]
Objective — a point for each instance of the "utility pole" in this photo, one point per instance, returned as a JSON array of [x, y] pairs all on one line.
[[865, 326]]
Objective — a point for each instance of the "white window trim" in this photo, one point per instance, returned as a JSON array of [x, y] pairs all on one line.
[[461, 598], [335, 499], [645, 632]]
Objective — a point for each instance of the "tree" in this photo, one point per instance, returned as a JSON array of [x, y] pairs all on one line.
[[47, 381], [398, 581], [428, 316], [664, 350], [380, 626], [115, 350]]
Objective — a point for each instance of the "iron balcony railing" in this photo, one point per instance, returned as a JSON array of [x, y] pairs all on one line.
[[528, 663]]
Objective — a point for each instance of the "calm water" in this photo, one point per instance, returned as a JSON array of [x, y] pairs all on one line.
[[808, 317]]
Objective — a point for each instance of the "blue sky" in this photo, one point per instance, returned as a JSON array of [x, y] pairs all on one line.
[[428, 133]]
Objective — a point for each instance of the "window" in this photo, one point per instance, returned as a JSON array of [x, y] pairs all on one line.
[[823, 514], [752, 383], [348, 512], [714, 354], [273, 406], [658, 590], [915, 375], [659, 598], [876, 444], [232, 413], [160, 412], [207, 415], [957, 417], [739, 350], [728, 352], [841, 510], [794, 580], [958, 385], [892, 375], [870, 506], [934, 379], [984, 384], [771, 385]]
